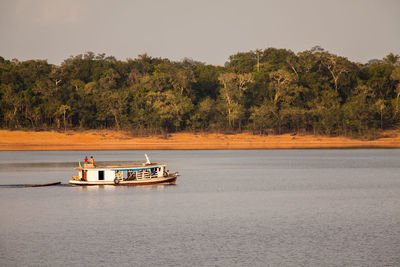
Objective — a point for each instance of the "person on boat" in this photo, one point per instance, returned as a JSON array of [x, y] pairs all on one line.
[[118, 175], [92, 164], [86, 160]]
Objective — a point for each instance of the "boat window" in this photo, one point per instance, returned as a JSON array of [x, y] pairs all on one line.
[[101, 175], [131, 175]]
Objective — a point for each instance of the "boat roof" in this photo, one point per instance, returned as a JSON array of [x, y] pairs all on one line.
[[123, 167]]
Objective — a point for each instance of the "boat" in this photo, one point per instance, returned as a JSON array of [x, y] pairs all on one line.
[[136, 174]]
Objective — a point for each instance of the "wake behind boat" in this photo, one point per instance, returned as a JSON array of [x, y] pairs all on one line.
[[136, 174], [40, 185]]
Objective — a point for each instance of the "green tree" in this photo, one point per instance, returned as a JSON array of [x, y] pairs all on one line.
[[172, 108], [63, 110], [231, 94]]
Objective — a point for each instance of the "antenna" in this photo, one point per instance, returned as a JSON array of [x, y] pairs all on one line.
[[147, 159]]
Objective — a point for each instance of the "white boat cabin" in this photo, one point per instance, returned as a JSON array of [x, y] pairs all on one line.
[[92, 173]]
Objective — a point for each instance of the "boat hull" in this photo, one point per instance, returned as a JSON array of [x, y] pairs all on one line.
[[161, 180]]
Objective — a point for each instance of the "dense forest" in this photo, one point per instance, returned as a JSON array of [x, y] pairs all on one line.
[[262, 91]]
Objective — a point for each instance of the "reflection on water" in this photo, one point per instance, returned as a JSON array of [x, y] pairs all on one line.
[[255, 207], [96, 187], [143, 188]]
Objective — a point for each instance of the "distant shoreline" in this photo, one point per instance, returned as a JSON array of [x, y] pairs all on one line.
[[121, 140]]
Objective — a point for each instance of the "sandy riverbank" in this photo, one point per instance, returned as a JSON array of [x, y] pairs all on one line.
[[106, 139]]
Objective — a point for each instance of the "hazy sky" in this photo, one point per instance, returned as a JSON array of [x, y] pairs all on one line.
[[204, 30]]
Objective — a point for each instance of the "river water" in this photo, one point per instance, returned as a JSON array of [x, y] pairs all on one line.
[[229, 208]]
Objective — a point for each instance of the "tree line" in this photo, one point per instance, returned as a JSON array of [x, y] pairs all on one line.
[[263, 91]]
